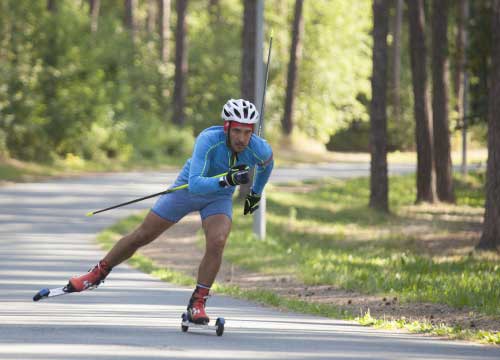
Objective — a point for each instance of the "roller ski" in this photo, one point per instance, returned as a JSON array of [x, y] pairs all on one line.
[[88, 281], [218, 327], [196, 317]]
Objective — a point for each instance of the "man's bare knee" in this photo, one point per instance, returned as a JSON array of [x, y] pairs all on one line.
[[142, 236], [216, 243]]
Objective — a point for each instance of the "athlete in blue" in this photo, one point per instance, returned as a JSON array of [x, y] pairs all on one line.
[[221, 160]]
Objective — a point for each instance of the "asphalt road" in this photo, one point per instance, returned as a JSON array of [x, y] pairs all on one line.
[[45, 238]]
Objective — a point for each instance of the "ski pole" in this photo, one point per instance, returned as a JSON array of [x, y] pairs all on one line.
[[263, 101], [168, 191]]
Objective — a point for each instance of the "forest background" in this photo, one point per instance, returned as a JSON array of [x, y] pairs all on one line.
[[80, 86]]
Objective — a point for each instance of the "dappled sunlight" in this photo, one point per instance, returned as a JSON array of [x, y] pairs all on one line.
[[445, 212], [420, 252]]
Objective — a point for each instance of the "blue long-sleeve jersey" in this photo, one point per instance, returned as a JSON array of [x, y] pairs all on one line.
[[211, 157]]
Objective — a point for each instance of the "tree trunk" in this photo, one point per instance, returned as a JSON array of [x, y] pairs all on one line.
[[129, 20], [440, 85], [396, 61], [426, 189], [164, 28], [378, 117], [295, 54], [94, 7], [151, 17], [460, 59], [52, 6], [248, 68], [163, 48], [248, 45], [460, 80], [181, 64], [490, 238]]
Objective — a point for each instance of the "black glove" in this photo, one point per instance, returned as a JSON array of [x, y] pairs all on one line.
[[251, 203], [236, 175]]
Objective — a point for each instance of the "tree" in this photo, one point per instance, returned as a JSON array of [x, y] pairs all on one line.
[[378, 118], [151, 16], [129, 19], [460, 79], [52, 6], [426, 190], [248, 69], [440, 85], [163, 28], [295, 54], [181, 64], [396, 61], [490, 238], [94, 6], [248, 45]]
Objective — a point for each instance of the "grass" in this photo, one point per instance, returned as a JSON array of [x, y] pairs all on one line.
[[329, 236], [12, 170], [420, 327]]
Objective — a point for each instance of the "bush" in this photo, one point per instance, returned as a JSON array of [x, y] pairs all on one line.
[[356, 138]]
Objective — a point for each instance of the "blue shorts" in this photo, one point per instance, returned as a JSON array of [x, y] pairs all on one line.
[[174, 206]]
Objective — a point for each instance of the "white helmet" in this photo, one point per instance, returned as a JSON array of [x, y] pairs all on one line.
[[240, 110]]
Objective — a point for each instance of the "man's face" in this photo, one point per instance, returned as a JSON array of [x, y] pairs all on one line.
[[239, 137]]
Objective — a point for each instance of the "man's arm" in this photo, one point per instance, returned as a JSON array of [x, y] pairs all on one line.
[[263, 171], [262, 174], [198, 183]]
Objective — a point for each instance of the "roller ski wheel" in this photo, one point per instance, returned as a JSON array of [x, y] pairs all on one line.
[[218, 327]]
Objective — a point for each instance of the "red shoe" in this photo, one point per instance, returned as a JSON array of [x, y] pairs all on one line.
[[91, 279], [196, 307]]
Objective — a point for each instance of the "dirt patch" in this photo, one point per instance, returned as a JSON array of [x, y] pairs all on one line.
[[177, 249]]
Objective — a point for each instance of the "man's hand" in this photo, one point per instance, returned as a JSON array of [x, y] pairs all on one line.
[[251, 203], [236, 175]]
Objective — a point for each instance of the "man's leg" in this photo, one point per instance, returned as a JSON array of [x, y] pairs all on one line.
[[151, 227], [217, 228]]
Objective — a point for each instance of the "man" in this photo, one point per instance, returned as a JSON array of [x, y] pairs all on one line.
[[232, 148]]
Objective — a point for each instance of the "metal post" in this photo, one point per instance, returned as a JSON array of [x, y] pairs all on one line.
[[259, 217]]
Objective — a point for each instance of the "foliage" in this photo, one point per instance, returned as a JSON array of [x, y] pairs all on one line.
[[67, 91], [478, 58], [452, 332], [334, 71], [214, 61], [104, 97]]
